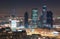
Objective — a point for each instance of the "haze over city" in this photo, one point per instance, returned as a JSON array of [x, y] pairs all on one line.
[[21, 6], [29, 19]]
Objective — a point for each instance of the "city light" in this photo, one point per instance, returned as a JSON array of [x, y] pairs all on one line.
[[29, 20]]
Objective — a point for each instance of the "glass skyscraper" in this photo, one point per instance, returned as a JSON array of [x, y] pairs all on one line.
[[34, 18], [44, 11], [43, 14]]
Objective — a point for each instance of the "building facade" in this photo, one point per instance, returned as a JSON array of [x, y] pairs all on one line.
[[43, 14], [34, 18], [26, 20], [49, 19]]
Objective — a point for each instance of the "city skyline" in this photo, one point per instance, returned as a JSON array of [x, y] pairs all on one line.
[[21, 6]]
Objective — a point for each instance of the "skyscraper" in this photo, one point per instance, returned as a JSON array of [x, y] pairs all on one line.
[[49, 19], [34, 17], [26, 20], [43, 14]]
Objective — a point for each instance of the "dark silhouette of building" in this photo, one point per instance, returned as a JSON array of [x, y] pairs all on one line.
[[43, 14], [49, 19], [26, 20]]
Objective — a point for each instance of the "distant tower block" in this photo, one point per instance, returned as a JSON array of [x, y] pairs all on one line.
[[26, 20], [49, 19], [34, 18], [44, 12]]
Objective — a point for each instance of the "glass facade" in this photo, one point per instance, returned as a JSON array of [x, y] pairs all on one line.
[[34, 17], [13, 25], [43, 16]]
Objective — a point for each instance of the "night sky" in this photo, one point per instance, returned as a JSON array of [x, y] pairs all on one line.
[[21, 6]]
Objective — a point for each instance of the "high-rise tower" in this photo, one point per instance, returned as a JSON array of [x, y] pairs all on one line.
[[43, 16], [34, 17], [49, 19], [26, 20]]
